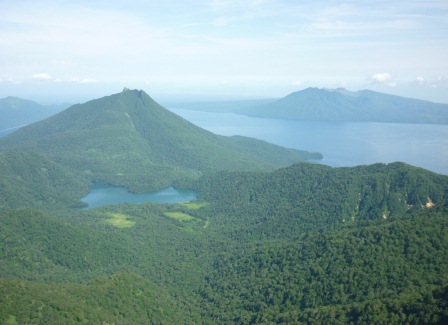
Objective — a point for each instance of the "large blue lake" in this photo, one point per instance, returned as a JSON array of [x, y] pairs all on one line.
[[107, 195], [341, 143]]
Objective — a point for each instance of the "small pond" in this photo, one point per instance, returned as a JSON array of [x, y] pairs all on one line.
[[108, 195]]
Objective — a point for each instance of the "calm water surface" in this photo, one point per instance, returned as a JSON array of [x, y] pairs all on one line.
[[107, 195], [341, 143]]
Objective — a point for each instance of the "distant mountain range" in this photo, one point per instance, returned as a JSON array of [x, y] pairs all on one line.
[[16, 112], [129, 139], [313, 104]]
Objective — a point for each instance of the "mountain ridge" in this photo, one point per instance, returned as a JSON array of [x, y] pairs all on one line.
[[315, 104], [340, 105], [17, 112], [299, 244], [129, 139]]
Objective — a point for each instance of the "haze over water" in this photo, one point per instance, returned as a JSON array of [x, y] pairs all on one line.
[[341, 143]]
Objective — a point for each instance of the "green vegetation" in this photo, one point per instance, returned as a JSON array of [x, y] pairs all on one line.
[[304, 244], [120, 220], [29, 179], [179, 216], [193, 205], [381, 273], [249, 255], [127, 139], [307, 197], [122, 298]]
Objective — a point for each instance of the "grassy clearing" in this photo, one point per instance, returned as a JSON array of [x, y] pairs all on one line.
[[180, 216], [194, 205], [120, 220]]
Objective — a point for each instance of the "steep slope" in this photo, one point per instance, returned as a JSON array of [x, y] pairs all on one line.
[[129, 139], [357, 245], [30, 179], [15, 112], [342, 105], [390, 273], [306, 197]]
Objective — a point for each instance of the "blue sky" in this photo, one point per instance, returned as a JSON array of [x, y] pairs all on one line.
[[56, 51]]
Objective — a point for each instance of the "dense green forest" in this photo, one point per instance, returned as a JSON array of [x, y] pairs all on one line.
[[381, 273], [128, 139], [306, 197], [30, 179], [233, 261], [305, 243]]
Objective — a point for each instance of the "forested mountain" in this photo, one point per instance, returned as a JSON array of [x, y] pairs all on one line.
[[302, 244], [313, 104], [15, 112], [128, 139], [307, 197], [389, 273], [30, 179]]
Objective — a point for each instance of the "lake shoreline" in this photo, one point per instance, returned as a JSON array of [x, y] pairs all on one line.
[[342, 144], [104, 194]]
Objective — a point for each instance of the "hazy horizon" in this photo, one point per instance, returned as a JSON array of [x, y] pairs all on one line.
[[61, 51], [169, 100]]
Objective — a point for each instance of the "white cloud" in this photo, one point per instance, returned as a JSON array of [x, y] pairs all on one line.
[[10, 80], [42, 77], [439, 81], [383, 78], [435, 82], [420, 80], [83, 81], [320, 42], [88, 81]]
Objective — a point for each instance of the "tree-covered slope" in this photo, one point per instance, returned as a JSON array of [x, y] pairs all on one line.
[[314, 244], [301, 244], [121, 298], [342, 105], [51, 265], [306, 197], [30, 179], [258, 247], [128, 139], [390, 273]]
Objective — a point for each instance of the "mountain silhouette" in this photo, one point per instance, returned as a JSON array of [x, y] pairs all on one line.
[[313, 104]]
